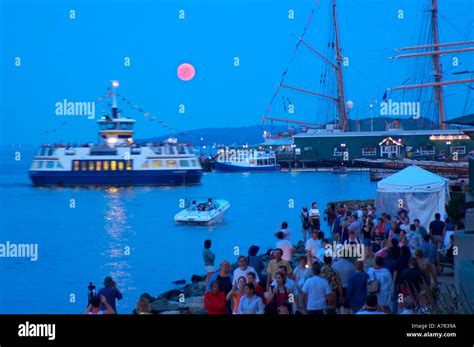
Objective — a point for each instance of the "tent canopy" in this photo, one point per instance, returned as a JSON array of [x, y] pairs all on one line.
[[412, 179], [423, 193]]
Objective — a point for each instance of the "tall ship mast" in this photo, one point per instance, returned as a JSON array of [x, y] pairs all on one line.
[[434, 50], [116, 160], [335, 66], [331, 142]]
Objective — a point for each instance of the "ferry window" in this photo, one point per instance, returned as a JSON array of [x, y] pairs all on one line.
[[129, 164], [195, 162], [156, 163], [75, 165], [98, 165], [181, 150], [125, 126], [458, 149], [184, 163], [50, 151], [40, 164], [145, 165], [113, 165], [106, 165], [58, 165], [427, 150], [83, 165], [172, 150], [171, 163], [121, 165], [369, 151], [157, 150], [91, 165], [50, 164], [34, 165]]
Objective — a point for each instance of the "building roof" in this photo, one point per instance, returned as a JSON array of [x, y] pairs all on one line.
[[463, 120]]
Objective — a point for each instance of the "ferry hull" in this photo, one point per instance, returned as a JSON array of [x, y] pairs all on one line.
[[128, 178], [235, 168]]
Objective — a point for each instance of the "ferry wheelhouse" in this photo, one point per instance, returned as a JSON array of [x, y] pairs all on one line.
[[117, 160]]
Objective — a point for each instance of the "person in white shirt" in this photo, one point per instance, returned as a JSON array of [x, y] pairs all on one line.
[[285, 246], [312, 247], [315, 216], [285, 230], [381, 274], [358, 211], [324, 251], [317, 291], [243, 270], [301, 274]]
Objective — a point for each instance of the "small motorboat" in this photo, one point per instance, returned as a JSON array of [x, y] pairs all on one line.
[[339, 169], [202, 211]]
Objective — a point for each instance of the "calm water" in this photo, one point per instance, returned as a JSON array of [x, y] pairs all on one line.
[[85, 243]]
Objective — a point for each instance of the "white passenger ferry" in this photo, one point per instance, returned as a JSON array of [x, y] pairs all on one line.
[[117, 160]]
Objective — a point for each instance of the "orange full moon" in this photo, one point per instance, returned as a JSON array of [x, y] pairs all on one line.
[[186, 72]]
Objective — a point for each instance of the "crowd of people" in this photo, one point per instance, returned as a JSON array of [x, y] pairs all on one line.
[[395, 271]]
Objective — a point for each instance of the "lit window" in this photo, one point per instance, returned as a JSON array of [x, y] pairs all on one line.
[[106, 165], [113, 165], [83, 166], [369, 151], [171, 163], [91, 165], [75, 165], [145, 165], [121, 165], [98, 165], [156, 163], [129, 164], [458, 149]]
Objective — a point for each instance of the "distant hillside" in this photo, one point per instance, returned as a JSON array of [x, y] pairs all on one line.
[[254, 134]]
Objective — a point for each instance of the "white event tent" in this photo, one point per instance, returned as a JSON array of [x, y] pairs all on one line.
[[422, 192]]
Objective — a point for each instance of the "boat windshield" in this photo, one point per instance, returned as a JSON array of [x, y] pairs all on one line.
[[200, 204]]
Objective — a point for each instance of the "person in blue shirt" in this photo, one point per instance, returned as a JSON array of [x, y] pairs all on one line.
[[110, 292], [429, 250], [357, 288]]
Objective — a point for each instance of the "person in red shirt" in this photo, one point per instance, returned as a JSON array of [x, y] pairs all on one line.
[[259, 291], [214, 300]]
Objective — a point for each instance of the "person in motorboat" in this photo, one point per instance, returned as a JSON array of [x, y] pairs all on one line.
[[210, 204], [193, 206]]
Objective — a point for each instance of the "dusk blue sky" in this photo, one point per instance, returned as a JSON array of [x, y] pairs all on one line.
[[75, 59]]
